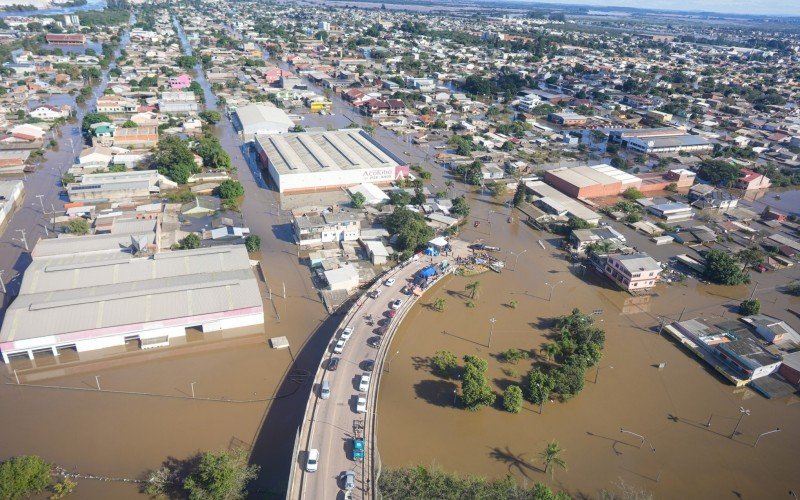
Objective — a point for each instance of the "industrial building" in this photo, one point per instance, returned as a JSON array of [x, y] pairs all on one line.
[[659, 140], [260, 119], [591, 182], [319, 161], [118, 186], [554, 202], [83, 302], [11, 193]]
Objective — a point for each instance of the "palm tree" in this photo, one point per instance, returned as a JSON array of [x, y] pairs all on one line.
[[551, 457], [550, 350], [438, 304], [449, 185], [474, 288]]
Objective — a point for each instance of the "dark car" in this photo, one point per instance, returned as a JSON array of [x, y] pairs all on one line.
[[367, 365], [333, 364], [374, 342]]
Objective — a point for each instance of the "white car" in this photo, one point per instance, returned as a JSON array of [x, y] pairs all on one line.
[[361, 405], [396, 304], [364, 385], [339, 347], [312, 462], [389, 282], [346, 333]]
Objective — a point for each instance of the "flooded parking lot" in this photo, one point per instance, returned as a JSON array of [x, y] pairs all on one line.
[[669, 406]]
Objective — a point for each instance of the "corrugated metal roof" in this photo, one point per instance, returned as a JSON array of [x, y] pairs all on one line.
[[74, 294]]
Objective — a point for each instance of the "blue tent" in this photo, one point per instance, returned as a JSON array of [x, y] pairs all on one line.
[[431, 251], [428, 272]]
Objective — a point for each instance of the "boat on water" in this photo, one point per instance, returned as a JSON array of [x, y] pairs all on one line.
[[497, 266]]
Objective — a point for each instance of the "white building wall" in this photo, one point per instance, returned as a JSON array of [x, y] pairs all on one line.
[[250, 320], [99, 343], [310, 181]]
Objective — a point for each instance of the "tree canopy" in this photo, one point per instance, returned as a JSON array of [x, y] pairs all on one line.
[[475, 390], [723, 269], [230, 189], [718, 172], [410, 227], [220, 476], [23, 476], [175, 160]]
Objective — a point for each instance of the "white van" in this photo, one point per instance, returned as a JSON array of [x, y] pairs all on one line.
[[325, 389]]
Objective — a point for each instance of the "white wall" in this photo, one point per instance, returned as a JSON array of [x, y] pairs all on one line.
[[99, 343]]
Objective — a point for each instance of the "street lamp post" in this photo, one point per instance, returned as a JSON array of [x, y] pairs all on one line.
[[492, 321], [2, 283], [764, 434], [640, 437], [192, 386], [516, 257], [552, 287], [40, 196], [742, 413], [23, 240]]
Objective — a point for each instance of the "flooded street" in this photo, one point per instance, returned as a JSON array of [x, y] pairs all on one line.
[[669, 406]]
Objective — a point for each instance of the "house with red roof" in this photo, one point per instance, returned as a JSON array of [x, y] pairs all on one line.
[[749, 180]]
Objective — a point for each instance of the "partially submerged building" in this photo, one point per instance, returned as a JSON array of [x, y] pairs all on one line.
[[91, 301]]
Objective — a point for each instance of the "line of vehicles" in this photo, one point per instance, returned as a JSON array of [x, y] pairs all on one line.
[[364, 381]]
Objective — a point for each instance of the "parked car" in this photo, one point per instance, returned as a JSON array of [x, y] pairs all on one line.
[[346, 333], [374, 342], [391, 313], [368, 365], [325, 389], [358, 448], [312, 461], [377, 293], [396, 304], [339, 347], [389, 282], [349, 479], [333, 364], [361, 405], [363, 386]]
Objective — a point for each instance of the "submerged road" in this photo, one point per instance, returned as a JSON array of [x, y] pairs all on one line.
[[42, 194]]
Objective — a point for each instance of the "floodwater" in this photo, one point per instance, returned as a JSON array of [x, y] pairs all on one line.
[[669, 407], [116, 434]]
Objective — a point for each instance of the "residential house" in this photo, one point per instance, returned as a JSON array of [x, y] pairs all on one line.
[[329, 227], [179, 82], [633, 272], [48, 113], [749, 180]]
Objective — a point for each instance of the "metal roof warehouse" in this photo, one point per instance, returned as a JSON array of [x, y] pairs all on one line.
[[87, 302], [313, 161]]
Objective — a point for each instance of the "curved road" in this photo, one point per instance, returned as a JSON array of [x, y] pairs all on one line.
[[329, 425]]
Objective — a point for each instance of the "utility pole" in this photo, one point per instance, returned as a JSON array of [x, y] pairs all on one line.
[[97, 381], [742, 413], [755, 287], [284, 289], [492, 321], [192, 386], [40, 196], [23, 240]]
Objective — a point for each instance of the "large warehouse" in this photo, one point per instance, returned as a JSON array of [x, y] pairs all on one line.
[[258, 119], [83, 302], [591, 182], [319, 161]]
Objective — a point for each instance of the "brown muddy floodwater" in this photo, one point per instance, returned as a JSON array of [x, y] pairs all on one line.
[[670, 407], [123, 435]]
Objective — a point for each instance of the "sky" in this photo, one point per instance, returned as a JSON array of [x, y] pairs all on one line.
[[753, 7]]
